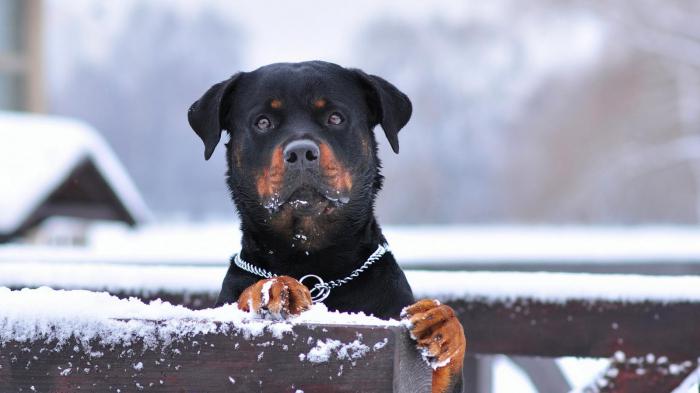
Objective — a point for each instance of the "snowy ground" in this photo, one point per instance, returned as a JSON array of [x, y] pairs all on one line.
[[214, 243], [546, 287]]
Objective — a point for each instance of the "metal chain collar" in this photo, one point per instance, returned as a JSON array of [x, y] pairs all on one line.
[[321, 290]]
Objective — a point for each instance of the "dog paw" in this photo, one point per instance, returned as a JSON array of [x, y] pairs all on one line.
[[440, 338], [277, 297]]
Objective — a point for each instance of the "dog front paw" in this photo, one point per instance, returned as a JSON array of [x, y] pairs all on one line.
[[278, 297], [440, 337]]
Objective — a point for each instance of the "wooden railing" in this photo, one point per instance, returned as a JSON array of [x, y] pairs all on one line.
[[653, 341], [654, 346], [386, 361]]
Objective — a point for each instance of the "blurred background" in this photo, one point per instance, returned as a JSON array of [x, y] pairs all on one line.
[[546, 135], [549, 112]]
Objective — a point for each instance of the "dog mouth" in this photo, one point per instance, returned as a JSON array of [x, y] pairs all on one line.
[[307, 201]]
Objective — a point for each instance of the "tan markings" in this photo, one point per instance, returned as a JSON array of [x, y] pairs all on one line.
[[285, 296], [275, 104], [340, 178], [438, 331], [442, 379], [319, 103], [269, 182]]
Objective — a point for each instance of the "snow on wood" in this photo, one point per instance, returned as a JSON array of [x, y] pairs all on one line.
[[495, 286], [214, 243], [113, 278], [47, 314], [554, 287], [37, 154], [77, 340], [560, 244]]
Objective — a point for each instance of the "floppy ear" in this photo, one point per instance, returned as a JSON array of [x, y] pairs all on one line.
[[206, 113], [391, 108]]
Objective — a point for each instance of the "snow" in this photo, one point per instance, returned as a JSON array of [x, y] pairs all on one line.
[[553, 287], [507, 377], [38, 152], [213, 243], [58, 315], [448, 245], [495, 286], [324, 350], [265, 291], [113, 278]]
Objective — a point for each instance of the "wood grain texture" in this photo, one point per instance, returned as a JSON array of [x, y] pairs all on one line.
[[596, 328], [221, 363], [579, 328]]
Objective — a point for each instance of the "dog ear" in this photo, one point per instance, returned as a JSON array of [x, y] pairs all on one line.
[[206, 114], [390, 107]]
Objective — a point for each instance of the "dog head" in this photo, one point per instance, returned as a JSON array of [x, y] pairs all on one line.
[[302, 156]]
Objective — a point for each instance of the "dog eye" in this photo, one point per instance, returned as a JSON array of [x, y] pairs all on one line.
[[335, 119], [263, 123]]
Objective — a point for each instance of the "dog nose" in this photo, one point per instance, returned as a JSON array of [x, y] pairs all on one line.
[[301, 153]]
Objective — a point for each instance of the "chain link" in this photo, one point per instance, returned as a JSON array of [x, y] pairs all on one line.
[[322, 286]]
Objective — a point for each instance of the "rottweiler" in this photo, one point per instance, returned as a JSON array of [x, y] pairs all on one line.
[[303, 172]]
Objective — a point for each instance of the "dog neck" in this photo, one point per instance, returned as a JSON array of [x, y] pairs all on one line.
[[345, 253]]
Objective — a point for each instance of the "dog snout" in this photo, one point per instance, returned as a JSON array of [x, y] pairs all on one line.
[[300, 154]]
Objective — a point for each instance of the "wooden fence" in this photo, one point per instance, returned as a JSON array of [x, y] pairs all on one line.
[[654, 346], [654, 343], [385, 360]]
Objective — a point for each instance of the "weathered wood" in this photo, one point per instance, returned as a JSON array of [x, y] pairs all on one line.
[[580, 328], [527, 327], [595, 328], [222, 362]]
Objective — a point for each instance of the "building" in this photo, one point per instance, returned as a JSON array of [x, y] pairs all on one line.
[[56, 167], [21, 76]]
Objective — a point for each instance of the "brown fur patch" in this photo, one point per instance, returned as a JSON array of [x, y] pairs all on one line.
[[275, 104], [442, 379], [271, 178], [319, 103], [286, 296], [339, 178], [438, 330]]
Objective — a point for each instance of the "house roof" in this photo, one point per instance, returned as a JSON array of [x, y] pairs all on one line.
[[37, 155]]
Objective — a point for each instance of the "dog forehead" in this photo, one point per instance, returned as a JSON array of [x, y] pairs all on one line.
[[307, 81]]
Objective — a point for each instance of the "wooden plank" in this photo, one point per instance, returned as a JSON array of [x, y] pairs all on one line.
[[576, 328], [581, 328], [219, 362]]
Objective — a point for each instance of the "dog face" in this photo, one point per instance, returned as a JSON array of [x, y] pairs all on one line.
[[302, 157]]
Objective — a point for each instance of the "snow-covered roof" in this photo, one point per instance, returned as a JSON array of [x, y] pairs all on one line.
[[38, 153]]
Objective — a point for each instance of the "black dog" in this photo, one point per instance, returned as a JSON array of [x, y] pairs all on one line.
[[303, 172]]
